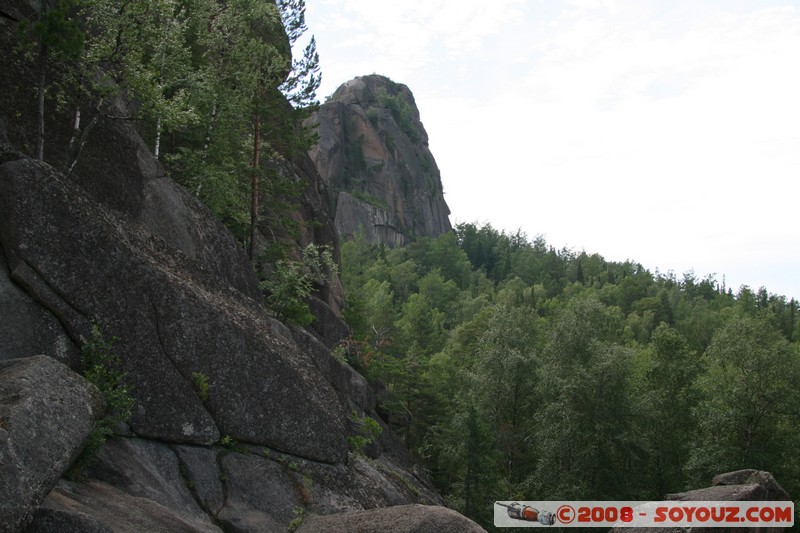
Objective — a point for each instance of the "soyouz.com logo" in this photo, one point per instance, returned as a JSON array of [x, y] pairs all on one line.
[[643, 514]]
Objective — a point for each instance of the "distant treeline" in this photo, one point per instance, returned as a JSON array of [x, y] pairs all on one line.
[[517, 371]]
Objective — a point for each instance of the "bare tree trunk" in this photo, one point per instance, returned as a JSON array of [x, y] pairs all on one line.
[[81, 144], [76, 128], [254, 185], [40, 110], [207, 143], [157, 147], [468, 489], [79, 137]]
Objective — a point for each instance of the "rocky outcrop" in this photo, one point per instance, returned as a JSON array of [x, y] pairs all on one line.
[[373, 153], [143, 485], [741, 485], [400, 519], [46, 413], [117, 243], [159, 302], [273, 390]]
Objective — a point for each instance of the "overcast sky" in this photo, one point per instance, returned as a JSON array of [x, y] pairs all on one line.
[[662, 131]]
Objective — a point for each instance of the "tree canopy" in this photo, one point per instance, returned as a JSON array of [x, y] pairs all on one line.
[[516, 370]]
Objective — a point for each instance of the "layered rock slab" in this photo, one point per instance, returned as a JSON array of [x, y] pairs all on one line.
[[154, 486], [173, 317], [412, 518], [95, 506]]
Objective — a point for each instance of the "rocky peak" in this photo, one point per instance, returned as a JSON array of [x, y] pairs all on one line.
[[373, 153]]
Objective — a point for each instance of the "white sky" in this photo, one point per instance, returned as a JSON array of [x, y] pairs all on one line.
[[662, 131]]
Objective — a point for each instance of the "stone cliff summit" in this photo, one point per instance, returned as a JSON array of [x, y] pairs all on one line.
[[373, 153]]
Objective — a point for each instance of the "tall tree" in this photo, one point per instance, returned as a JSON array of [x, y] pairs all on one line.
[[669, 397], [749, 414], [470, 456], [58, 37], [241, 58], [504, 381], [586, 435]]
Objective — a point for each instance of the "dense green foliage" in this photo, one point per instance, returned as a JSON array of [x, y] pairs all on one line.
[[103, 368], [291, 283], [515, 370], [212, 86], [401, 110], [367, 431]]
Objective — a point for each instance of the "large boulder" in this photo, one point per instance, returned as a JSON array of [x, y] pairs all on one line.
[[763, 485], [46, 413], [741, 485], [413, 518]]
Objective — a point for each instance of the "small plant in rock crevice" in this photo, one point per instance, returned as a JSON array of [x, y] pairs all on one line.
[[299, 516], [103, 368], [291, 283], [368, 432], [201, 384], [231, 444]]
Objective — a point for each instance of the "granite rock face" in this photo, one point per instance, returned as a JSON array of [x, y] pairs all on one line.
[[144, 485], [26, 328], [95, 506], [174, 317], [373, 153], [114, 241], [274, 391], [400, 519], [46, 413], [741, 485]]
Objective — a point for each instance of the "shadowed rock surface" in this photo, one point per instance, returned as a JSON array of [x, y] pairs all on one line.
[[26, 328], [46, 413], [140, 483], [741, 485], [117, 242], [96, 506], [174, 317]]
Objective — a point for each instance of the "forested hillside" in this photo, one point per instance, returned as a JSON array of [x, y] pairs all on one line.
[[515, 370], [510, 369]]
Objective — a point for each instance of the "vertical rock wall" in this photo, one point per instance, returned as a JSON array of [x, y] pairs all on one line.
[[373, 153]]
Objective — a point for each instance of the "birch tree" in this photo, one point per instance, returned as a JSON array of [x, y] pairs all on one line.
[[57, 38]]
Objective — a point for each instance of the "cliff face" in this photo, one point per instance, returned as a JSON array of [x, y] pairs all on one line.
[[373, 153], [119, 244]]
